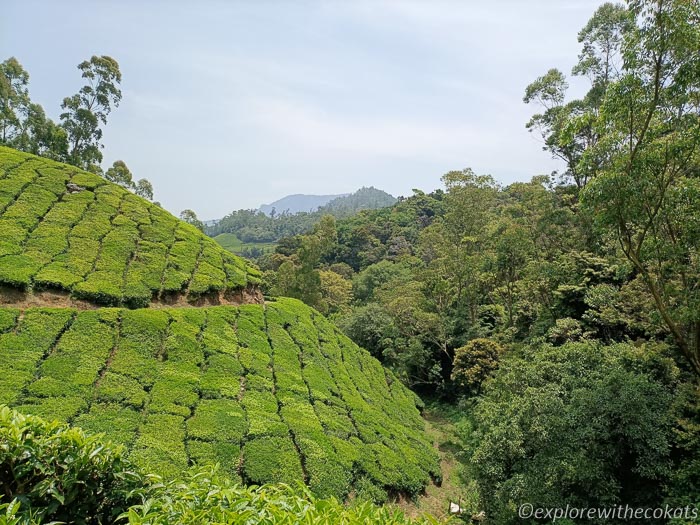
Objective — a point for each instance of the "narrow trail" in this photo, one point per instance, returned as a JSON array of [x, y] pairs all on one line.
[[453, 488]]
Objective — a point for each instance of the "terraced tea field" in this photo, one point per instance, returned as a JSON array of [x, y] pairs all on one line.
[[65, 229], [272, 393]]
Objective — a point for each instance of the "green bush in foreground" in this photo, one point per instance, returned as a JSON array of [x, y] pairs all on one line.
[[51, 472], [59, 473], [204, 498]]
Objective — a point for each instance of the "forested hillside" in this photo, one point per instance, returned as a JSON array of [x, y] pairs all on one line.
[[257, 226]]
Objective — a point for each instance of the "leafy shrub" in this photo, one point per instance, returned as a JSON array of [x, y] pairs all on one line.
[[366, 490], [61, 474], [20, 351], [102, 244], [118, 422], [201, 384], [52, 472], [474, 362], [224, 454], [271, 459], [218, 419], [160, 446], [205, 497]]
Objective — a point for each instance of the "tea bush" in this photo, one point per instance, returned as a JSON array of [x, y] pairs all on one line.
[[54, 473], [101, 244], [273, 393]]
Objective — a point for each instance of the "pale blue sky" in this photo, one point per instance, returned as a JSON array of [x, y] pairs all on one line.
[[229, 105]]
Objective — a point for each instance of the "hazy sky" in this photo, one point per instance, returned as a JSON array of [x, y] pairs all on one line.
[[229, 105]]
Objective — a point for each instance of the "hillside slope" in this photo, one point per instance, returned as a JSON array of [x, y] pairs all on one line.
[[66, 230], [272, 393]]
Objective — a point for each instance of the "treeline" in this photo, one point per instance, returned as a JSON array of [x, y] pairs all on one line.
[[561, 316], [413, 282], [256, 226], [76, 139]]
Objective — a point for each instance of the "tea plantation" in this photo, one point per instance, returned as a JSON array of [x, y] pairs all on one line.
[[66, 229], [272, 393], [53, 473]]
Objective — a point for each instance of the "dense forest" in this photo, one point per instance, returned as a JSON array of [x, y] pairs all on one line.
[[497, 298], [484, 352]]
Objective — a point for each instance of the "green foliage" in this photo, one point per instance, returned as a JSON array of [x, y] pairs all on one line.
[[598, 420], [53, 472], [120, 174], [190, 217], [631, 145], [205, 497], [70, 230], [474, 363], [87, 109], [218, 419], [24, 124], [60, 474], [271, 459], [144, 189], [160, 445], [271, 393], [22, 350]]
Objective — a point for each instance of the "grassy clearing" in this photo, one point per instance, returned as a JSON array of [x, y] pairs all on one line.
[[230, 242], [448, 428]]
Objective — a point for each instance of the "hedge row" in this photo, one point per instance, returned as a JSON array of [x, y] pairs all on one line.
[[273, 393], [102, 243]]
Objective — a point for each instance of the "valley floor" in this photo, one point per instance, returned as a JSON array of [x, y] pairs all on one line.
[[456, 487]]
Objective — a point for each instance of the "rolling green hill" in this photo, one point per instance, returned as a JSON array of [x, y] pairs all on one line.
[[273, 393], [65, 229]]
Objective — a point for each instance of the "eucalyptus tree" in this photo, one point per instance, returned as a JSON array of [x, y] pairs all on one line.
[[88, 109], [14, 99], [647, 194], [567, 128]]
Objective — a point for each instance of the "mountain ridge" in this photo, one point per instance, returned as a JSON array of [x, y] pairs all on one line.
[[299, 202]]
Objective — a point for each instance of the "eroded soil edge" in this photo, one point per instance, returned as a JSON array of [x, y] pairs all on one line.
[[47, 298]]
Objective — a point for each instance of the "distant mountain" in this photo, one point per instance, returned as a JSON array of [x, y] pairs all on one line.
[[363, 199], [298, 203], [257, 226]]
